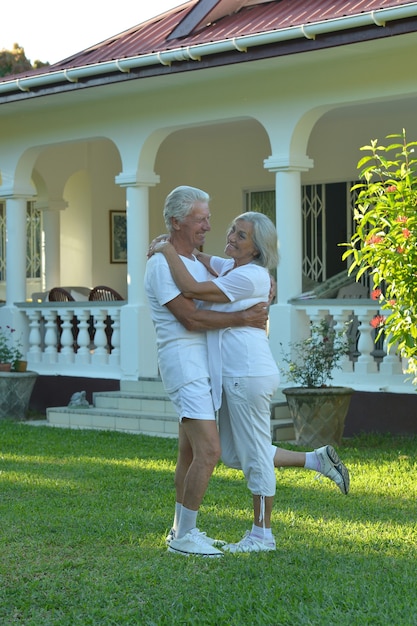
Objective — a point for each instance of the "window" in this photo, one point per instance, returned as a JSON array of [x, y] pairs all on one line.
[[2, 241], [33, 241], [327, 211], [261, 202]]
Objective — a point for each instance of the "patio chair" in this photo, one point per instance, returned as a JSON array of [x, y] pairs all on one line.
[[59, 294], [101, 293], [104, 293]]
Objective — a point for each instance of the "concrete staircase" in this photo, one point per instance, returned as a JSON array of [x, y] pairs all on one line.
[[143, 407], [282, 427]]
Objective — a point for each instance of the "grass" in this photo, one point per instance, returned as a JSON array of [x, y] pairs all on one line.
[[84, 515]]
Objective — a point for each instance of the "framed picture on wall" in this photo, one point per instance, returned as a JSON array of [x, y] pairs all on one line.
[[118, 237]]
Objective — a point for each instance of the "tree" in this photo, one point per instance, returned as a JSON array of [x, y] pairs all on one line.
[[385, 240], [14, 61]]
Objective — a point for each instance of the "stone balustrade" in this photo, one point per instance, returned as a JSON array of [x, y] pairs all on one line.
[[83, 339]]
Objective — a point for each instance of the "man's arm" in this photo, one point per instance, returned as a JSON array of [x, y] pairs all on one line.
[[200, 319]]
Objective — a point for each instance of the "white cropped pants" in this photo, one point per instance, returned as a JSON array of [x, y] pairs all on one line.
[[245, 430]]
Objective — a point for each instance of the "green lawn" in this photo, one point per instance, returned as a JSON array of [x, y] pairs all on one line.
[[84, 516]]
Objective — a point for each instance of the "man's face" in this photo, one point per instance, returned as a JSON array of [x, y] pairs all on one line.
[[195, 226]]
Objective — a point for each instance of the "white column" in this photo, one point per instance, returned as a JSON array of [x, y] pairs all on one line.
[[286, 324], [51, 244], [137, 336], [289, 222], [15, 250], [137, 205]]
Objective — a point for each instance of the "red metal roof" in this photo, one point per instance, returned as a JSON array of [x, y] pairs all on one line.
[[151, 36], [232, 19]]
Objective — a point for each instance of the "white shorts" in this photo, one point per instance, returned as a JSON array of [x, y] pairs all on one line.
[[245, 430], [194, 400]]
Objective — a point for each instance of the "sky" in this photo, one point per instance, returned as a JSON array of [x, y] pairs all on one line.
[[50, 31]]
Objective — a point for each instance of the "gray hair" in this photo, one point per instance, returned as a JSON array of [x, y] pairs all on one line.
[[180, 202], [264, 237]]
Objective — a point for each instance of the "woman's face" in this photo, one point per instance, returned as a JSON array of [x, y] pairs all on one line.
[[239, 243]]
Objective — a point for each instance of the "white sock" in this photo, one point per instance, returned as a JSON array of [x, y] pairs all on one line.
[[261, 533], [187, 521], [312, 462], [178, 507]]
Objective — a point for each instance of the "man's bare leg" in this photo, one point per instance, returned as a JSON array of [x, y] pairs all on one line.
[[203, 439], [184, 460]]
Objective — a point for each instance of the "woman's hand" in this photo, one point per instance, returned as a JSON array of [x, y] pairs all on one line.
[[160, 246], [160, 239]]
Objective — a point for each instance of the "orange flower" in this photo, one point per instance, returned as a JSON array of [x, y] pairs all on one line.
[[406, 233], [391, 189], [377, 321], [401, 218], [373, 240], [375, 294]]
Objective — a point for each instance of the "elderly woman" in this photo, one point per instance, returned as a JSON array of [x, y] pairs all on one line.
[[242, 363]]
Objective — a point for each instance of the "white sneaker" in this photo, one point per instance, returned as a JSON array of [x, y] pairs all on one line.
[[251, 544], [193, 543], [212, 542], [333, 468]]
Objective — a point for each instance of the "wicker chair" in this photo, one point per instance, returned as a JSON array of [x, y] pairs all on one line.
[[103, 293], [59, 294]]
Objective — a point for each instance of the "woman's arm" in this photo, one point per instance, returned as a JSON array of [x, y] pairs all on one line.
[[189, 287], [204, 258]]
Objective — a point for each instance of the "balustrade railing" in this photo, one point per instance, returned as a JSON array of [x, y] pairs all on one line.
[[369, 366], [81, 338]]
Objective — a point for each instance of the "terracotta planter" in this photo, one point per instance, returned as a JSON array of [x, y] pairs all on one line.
[[318, 414], [5, 367], [21, 366], [15, 391]]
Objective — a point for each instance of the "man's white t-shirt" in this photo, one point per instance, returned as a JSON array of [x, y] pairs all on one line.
[[182, 354]]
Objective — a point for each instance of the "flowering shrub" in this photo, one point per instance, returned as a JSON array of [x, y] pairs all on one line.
[[385, 240], [316, 357], [10, 349]]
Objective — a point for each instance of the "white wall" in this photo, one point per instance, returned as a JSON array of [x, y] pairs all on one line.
[[76, 229], [210, 157]]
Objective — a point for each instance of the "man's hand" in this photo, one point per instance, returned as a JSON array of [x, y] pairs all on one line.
[[256, 316], [273, 290]]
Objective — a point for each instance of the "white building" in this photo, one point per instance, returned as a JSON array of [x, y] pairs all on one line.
[[263, 104]]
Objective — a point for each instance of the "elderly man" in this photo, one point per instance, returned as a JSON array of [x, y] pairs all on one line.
[[183, 363]]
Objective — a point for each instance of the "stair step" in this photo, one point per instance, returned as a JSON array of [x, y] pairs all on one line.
[[158, 404], [282, 430], [143, 385], [110, 419], [143, 407]]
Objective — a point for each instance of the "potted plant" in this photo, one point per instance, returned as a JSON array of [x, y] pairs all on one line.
[[10, 349], [16, 384], [318, 410]]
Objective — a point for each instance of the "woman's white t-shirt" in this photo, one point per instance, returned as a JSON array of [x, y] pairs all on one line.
[[242, 351]]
